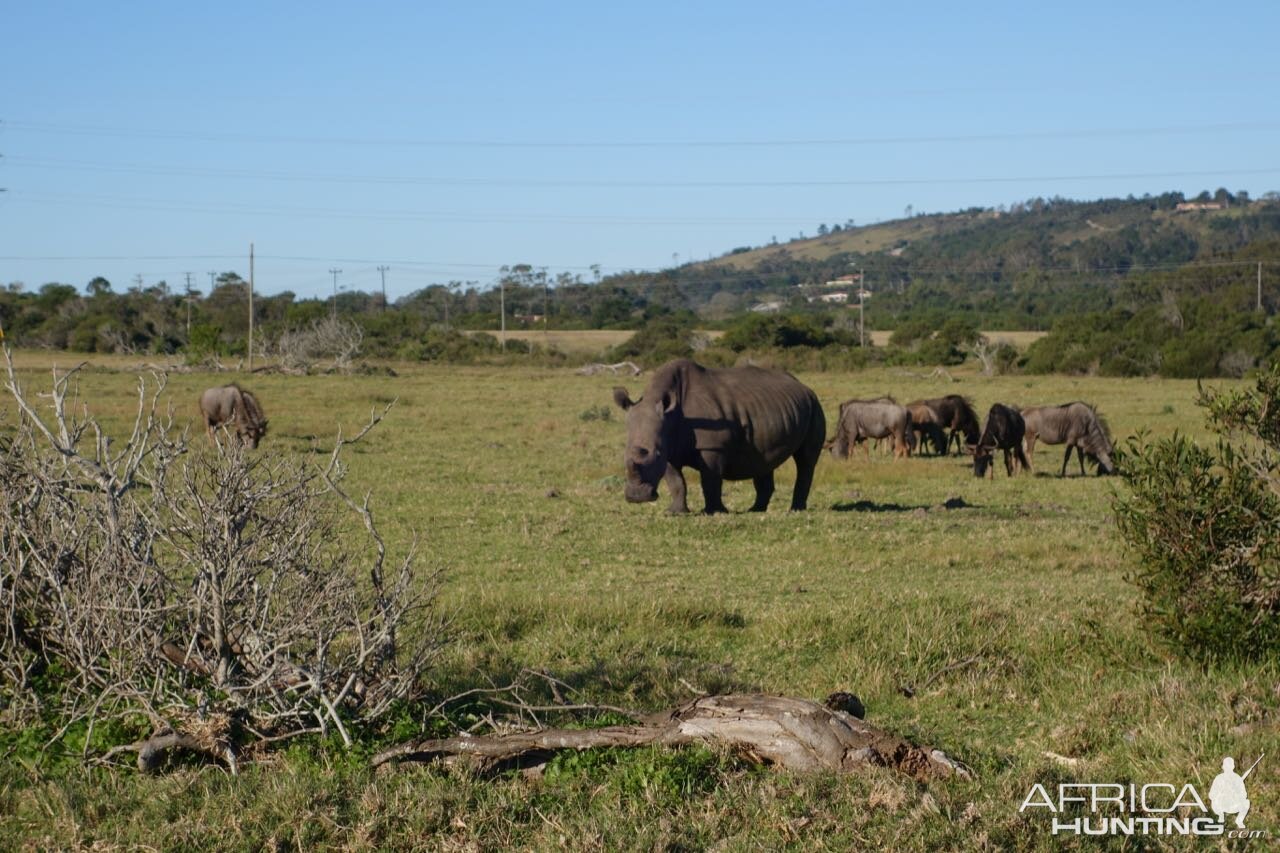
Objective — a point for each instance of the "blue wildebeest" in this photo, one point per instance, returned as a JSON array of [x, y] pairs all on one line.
[[236, 407], [879, 418], [1004, 430], [1077, 425]]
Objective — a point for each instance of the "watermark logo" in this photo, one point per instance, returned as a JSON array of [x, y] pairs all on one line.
[[1157, 808]]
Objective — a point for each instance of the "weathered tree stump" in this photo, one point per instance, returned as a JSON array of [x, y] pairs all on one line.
[[791, 733]]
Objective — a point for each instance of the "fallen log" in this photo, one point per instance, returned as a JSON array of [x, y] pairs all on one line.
[[594, 368], [795, 734]]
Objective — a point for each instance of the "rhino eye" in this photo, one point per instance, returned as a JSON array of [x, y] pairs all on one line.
[[642, 451]]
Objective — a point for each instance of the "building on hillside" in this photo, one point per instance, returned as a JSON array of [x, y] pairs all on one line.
[[1184, 206], [851, 280], [772, 307], [838, 297]]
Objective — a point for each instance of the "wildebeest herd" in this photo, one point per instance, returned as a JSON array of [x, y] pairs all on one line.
[[741, 423]]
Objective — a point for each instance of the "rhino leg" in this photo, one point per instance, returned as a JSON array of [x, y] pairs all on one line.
[[764, 492], [712, 492], [674, 478], [804, 481]]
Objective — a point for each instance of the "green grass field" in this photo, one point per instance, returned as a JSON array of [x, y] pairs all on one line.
[[1008, 620]]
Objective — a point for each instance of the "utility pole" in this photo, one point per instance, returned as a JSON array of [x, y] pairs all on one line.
[[383, 270], [334, 273], [862, 326], [251, 308], [1259, 285], [502, 312], [546, 317], [187, 299], [212, 277], [137, 281]]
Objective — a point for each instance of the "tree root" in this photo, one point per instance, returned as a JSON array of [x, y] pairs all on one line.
[[152, 751], [795, 734]]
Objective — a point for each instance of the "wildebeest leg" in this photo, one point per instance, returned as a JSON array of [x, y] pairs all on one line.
[[1030, 441], [1080, 457], [674, 478], [1008, 461], [764, 491], [1023, 460], [1065, 460]]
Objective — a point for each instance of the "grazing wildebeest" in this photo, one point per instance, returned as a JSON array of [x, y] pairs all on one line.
[[1004, 429], [1078, 425], [958, 418], [928, 421], [736, 423], [231, 404], [863, 419]]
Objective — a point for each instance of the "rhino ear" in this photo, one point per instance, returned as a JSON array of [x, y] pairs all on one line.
[[667, 405], [623, 399]]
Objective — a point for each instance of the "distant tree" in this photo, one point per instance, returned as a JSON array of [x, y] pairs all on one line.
[[822, 230], [98, 286]]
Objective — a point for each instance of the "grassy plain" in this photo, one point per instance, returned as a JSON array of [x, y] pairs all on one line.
[[1007, 620]]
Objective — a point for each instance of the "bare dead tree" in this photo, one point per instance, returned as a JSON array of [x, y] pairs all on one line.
[[330, 339], [212, 594], [985, 351]]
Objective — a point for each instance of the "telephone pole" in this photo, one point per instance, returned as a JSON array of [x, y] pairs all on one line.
[[334, 273], [187, 299], [862, 326], [251, 308], [502, 312], [383, 270]]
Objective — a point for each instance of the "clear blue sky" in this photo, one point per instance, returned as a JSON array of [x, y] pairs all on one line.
[[447, 139]]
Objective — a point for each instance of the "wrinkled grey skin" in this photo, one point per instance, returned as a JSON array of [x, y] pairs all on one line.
[[231, 404], [1075, 424], [1004, 430], [737, 423], [879, 418]]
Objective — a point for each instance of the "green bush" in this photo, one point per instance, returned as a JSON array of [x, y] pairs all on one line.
[[1204, 525], [776, 331], [660, 339]]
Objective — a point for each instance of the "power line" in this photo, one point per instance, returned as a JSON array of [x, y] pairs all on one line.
[[1062, 133], [561, 183]]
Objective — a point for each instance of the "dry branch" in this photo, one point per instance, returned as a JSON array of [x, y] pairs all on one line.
[[199, 591], [795, 734], [595, 368]]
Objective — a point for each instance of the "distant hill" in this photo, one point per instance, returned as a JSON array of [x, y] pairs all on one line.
[[1015, 267]]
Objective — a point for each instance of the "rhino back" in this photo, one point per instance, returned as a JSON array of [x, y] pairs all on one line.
[[757, 417]]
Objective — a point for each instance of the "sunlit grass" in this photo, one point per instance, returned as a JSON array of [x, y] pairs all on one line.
[[1001, 630]]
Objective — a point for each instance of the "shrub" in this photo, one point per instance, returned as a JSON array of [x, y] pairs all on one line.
[[775, 331], [660, 339], [208, 601], [1204, 524]]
